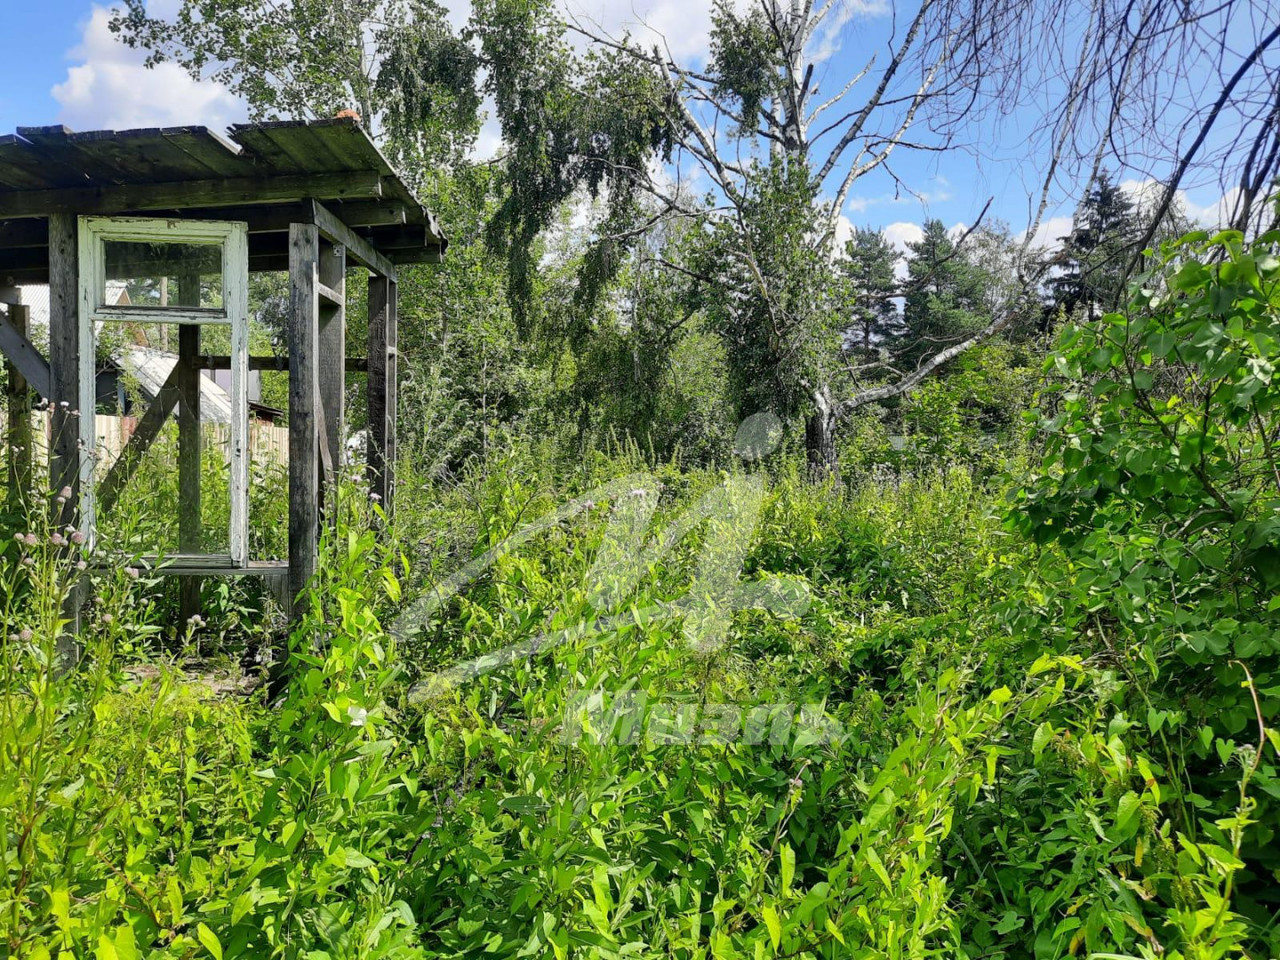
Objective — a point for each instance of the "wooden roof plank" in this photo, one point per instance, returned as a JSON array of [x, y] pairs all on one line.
[[191, 193], [149, 169], [258, 144], [309, 148], [25, 168], [157, 156], [94, 153], [214, 154]]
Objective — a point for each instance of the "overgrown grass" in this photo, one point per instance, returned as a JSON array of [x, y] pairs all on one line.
[[1023, 713]]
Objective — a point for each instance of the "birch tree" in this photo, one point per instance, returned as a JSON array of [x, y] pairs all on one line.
[[753, 124]]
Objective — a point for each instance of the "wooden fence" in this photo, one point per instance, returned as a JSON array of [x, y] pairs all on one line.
[[268, 442]]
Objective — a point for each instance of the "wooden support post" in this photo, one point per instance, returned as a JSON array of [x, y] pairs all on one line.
[[381, 388], [190, 452], [304, 335], [331, 362], [65, 394], [18, 397]]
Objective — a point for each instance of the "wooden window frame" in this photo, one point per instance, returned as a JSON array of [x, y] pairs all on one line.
[[233, 237]]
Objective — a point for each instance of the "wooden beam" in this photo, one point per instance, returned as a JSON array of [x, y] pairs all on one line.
[[189, 193], [276, 217], [22, 356], [304, 480], [18, 396], [371, 213], [261, 218], [190, 449], [332, 297], [381, 390], [196, 565], [23, 233], [223, 362], [65, 373], [357, 246], [332, 346], [64, 361]]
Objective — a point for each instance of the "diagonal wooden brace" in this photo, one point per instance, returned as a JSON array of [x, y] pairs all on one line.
[[149, 428], [26, 358]]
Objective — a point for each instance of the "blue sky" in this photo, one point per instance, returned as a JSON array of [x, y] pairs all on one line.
[[36, 58], [67, 68]]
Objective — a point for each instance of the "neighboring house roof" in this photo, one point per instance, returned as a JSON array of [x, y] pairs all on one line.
[[36, 296], [151, 368]]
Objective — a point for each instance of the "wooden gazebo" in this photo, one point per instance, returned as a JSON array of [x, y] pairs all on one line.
[[299, 196]]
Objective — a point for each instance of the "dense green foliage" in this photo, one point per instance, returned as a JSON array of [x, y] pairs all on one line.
[[1026, 713], [1001, 686]]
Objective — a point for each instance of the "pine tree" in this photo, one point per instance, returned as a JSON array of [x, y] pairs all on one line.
[[1095, 256], [866, 278], [944, 294]]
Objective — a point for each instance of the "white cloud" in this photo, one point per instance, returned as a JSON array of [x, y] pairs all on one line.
[[844, 231], [111, 88], [684, 26], [489, 140], [1050, 232], [902, 233], [857, 204], [830, 32], [1214, 215]]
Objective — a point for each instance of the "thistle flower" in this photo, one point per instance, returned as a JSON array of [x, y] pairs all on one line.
[[108, 618], [65, 493], [58, 540], [30, 539], [25, 635], [78, 537], [28, 562], [81, 565], [131, 573]]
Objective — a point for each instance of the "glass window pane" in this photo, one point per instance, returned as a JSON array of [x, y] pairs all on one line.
[[139, 489], [141, 273]]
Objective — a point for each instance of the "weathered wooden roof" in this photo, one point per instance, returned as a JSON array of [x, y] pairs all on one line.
[[265, 173]]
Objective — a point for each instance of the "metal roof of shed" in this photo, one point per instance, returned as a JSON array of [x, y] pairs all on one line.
[[253, 174]]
